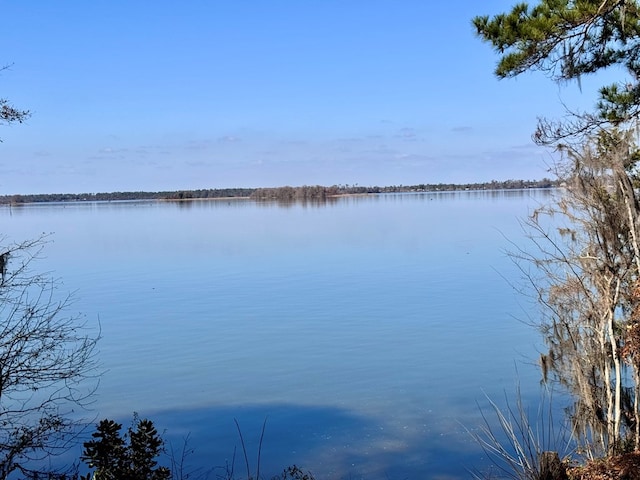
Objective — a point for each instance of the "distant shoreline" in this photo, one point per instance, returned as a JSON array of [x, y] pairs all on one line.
[[286, 193]]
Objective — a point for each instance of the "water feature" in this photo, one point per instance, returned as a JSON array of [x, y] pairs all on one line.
[[366, 331]]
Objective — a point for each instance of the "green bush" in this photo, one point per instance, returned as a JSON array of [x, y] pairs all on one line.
[[125, 457]]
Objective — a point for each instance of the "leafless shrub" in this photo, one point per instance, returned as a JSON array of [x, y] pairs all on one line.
[[47, 363]]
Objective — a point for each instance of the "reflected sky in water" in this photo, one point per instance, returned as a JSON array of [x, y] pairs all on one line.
[[367, 330]]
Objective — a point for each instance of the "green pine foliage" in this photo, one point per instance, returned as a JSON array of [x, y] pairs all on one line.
[[568, 39], [131, 456]]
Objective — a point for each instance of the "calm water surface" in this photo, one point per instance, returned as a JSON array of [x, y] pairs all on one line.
[[365, 331]]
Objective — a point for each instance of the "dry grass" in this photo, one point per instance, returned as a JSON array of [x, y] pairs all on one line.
[[620, 467]]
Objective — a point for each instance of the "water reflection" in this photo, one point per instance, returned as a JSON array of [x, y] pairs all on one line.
[[337, 444], [243, 202], [364, 328]]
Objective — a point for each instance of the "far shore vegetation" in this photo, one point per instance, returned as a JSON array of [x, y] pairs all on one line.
[[286, 193]]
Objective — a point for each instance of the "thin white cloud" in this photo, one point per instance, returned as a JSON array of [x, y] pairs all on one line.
[[229, 139], [407, 133]]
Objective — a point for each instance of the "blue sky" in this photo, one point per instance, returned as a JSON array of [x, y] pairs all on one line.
[[167, 95]]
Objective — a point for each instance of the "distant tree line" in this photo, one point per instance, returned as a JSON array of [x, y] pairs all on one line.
[[296, 194], [123, 196], [281, 194]]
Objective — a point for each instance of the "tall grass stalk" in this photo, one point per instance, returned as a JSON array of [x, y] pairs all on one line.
[[520, 446], [244, 450]]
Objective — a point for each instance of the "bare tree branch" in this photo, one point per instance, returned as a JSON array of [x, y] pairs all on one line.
[[47, 362]]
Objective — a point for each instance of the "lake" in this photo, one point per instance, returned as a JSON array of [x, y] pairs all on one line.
[[367, 331]]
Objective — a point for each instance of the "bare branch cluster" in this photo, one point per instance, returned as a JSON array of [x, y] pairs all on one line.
[[585, 270], [47, 362], [9, 113]]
